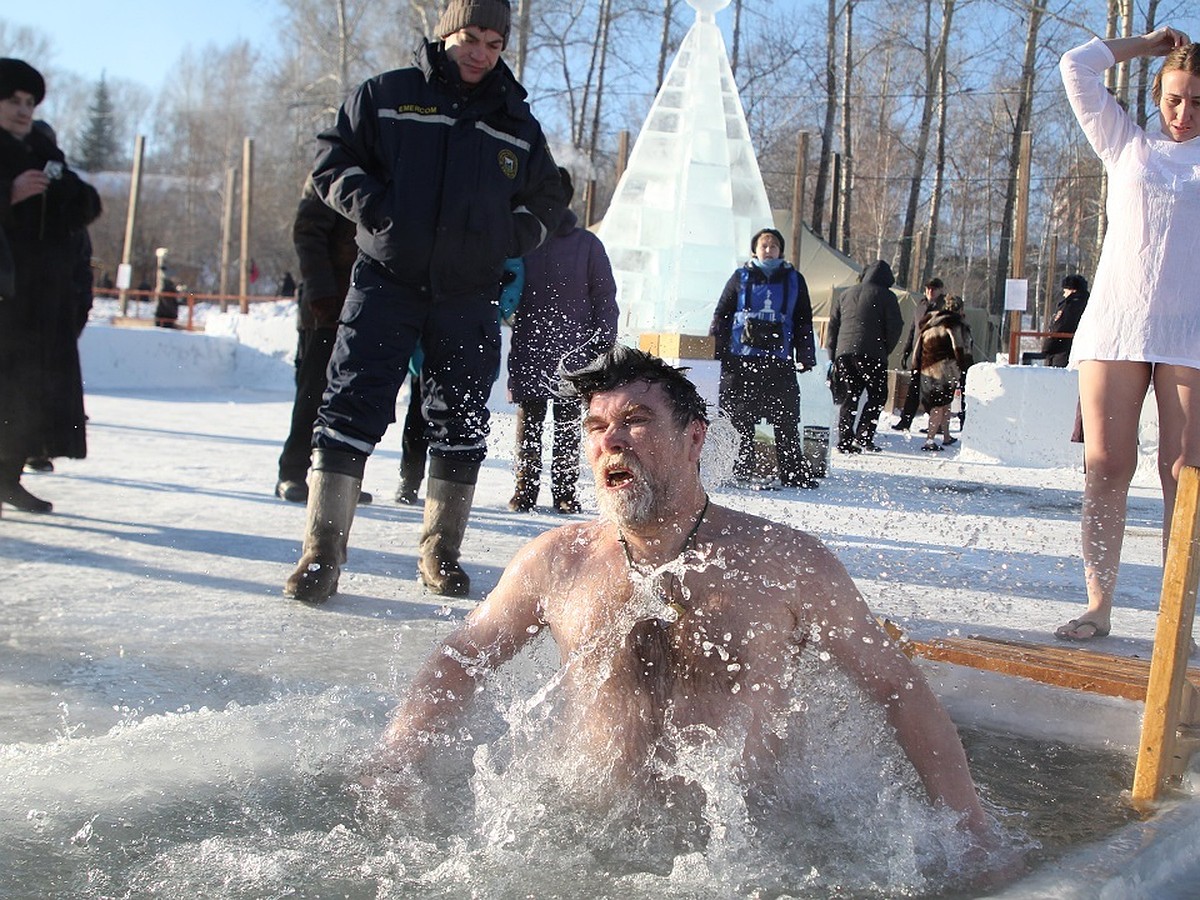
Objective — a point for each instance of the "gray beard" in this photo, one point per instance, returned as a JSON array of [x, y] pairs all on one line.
[[631, 508]]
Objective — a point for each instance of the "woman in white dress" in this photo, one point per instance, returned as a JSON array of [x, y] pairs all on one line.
[[1142, 324]]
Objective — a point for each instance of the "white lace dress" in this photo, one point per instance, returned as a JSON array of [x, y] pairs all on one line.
[[1145, 302]]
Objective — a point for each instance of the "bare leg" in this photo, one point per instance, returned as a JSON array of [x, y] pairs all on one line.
[[1177, 393], [938, 417], [1111, 394]]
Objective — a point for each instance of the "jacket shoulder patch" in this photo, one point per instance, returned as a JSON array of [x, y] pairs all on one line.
[[508, 163]]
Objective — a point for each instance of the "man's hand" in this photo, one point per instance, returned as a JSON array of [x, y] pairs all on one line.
[[28, 184]]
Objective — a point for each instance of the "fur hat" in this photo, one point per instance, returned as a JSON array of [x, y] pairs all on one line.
[[18, 75], [493, 14], [760, 233], [1075, 283]]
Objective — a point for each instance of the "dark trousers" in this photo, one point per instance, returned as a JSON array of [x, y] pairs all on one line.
[[313, 349], [414, 444], [756, 388], [912, 400], [382, 321], [858, 374], [564, 463]]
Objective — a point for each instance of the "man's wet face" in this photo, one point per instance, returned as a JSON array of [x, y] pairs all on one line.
[[636, 450]]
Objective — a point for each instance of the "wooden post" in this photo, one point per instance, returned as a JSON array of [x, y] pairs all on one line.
[[798, 196], [226, 236], [1157, 756], [589, 203], [1051, 283], [244, 262], [135, 189], [622, 152], [1020, 230]]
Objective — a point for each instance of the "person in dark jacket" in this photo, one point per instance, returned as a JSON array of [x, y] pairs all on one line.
[[1065, 320], [446, 173], [566, 318], [764, 336], [44, 207], [864, 327], [324, 243]]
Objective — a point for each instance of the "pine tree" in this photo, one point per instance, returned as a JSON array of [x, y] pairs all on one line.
[[98, 144]]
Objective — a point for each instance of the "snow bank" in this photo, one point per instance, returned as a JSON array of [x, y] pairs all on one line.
[[1017, 415], [246, 350], [1024, 416]]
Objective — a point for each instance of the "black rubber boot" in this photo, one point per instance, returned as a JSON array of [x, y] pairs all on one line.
[[12, 493]]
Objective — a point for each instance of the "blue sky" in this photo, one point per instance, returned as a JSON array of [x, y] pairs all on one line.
[[139, 39]]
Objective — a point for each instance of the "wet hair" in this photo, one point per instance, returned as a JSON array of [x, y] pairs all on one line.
[[760, 233], [1185, 58], [622, 366], [1075, 283]]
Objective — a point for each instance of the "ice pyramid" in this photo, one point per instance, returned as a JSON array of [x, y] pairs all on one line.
[[683, 212]]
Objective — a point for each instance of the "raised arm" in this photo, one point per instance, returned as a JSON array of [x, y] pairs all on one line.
[[1159, 42], [924, 730], [494, 631]]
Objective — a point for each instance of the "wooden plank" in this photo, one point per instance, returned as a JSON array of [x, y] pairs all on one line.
[[1097, 673], [1158, 757]]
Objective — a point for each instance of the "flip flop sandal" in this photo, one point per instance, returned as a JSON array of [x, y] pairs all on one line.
[[1069, 632]]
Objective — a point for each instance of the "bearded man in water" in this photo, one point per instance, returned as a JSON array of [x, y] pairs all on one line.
[[657, 640]]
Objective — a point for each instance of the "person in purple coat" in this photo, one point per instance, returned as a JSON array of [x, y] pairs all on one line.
[[567, 316]]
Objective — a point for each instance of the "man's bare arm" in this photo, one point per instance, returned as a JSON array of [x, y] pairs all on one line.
[[493, 632], [923, 728]]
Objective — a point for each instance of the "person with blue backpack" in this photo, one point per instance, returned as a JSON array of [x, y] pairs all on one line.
[[764, 336]]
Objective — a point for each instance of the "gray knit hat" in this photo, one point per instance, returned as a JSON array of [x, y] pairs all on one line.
[[493, 14]]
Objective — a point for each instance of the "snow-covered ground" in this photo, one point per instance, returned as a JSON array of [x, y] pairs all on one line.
[[147, 651]]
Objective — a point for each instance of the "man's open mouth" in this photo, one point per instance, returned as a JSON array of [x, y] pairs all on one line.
[[616, 476]]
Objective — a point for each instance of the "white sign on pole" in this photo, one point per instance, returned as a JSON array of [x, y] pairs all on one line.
[[1016, 294], [124, 276]]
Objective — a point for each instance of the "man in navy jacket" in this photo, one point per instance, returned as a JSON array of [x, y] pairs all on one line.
[[446, 173]]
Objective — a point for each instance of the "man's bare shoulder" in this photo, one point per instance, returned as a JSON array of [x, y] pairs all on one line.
[[566, 544], [763, 537]]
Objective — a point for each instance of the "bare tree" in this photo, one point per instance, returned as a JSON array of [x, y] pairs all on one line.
[[830, 84], [1020, 124], [845, 203], [934, 54], [737, 36], [939, 155], [665, 44]]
